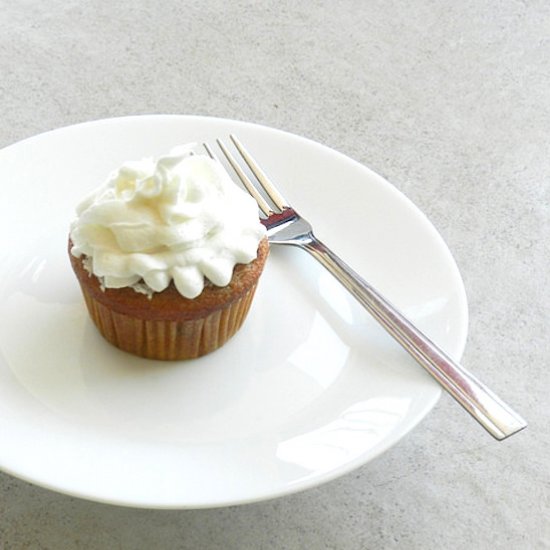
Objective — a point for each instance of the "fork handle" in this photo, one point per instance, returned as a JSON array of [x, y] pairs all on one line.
[[488, 409]]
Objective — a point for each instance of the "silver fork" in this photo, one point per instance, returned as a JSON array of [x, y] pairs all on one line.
[[285, 226]]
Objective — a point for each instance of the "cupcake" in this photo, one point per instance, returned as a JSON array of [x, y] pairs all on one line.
[[168, 253]]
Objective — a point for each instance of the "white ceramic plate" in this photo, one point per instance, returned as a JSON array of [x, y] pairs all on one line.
[[309, 389]]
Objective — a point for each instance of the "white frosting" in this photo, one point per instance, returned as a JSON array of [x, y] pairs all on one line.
[[179, 217]]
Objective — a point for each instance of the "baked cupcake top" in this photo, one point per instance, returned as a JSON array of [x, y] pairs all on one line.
[[178, 217]]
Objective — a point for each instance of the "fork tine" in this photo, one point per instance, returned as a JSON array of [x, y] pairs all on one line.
[[210, 152], [269, 188], [262, 204]]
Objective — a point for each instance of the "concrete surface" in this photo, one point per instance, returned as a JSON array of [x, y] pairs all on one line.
[[450, 102]]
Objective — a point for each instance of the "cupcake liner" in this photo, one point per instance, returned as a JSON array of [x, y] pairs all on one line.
[[169, 340], [168, 326]]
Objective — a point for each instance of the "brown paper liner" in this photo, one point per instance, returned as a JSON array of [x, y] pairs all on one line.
[[171, 327], [169, 340]]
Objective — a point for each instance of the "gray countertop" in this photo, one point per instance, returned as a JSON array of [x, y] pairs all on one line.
[[450, 102]]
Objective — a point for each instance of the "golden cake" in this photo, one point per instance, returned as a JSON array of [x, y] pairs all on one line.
[[168, 253]]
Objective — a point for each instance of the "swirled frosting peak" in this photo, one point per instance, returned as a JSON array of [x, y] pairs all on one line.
[[179, 217]]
